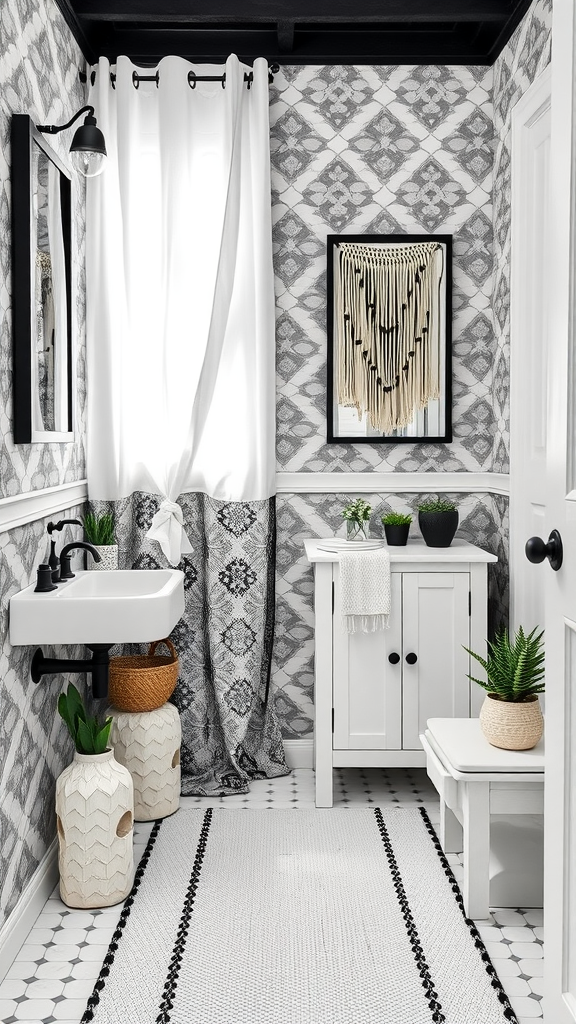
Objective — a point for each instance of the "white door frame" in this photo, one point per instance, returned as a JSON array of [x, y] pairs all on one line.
[[528, 346]]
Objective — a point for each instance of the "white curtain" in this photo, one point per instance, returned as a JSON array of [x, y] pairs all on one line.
[[180, 296]]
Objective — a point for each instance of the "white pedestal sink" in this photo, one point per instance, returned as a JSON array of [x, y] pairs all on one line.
[[123, 606]]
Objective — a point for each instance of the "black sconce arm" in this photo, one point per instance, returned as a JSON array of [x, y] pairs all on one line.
[[53, 129]]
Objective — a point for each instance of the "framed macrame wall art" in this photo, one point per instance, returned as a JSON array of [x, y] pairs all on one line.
[[389, 338]]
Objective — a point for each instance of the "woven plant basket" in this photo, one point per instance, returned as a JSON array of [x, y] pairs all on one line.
[[143, 682], [511, 725]]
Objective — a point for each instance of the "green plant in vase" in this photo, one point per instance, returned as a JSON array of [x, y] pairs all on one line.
[[90, 733], [438, 522], [357, 517], [99, 530], [510, 716], [396, 527]]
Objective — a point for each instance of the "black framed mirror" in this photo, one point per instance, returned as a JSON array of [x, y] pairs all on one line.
[[41, 288], [389, 339]]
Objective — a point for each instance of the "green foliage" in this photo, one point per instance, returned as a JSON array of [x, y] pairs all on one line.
[[437, 506], [357, 511], [90, 735], [396, 519], [515, 670], [99, 528]]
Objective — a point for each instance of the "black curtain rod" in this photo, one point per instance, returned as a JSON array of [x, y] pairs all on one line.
[[192, 77]]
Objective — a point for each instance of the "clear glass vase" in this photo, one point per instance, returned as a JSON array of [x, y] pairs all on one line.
[[357, 531]]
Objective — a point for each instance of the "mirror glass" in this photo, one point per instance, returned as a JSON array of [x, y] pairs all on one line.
[[389, 338], [42, 279]]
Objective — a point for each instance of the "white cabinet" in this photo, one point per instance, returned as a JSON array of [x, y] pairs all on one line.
[[374, 692]]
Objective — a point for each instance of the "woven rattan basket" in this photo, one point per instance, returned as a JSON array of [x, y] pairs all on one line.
[[143, 682], [510, 725]]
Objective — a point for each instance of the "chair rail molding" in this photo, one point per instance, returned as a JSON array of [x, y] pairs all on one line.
[[390, 483], [31, 505]]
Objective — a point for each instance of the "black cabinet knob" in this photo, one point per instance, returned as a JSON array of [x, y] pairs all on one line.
[[394, 658], [536, 550], [411, 659]]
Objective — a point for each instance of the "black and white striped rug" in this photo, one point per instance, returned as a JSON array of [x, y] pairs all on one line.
[[296, 917]]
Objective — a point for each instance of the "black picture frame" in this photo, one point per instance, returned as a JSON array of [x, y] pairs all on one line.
[[446, 436], [24, 136]]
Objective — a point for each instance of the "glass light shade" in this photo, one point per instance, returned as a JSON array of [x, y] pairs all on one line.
[[88, 149], [87, 162]]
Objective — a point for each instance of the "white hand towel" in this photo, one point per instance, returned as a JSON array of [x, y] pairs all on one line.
[[167, 527], [365, 589]]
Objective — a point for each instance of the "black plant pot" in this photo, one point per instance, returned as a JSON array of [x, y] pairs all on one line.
[[397, 533], [438, 528]]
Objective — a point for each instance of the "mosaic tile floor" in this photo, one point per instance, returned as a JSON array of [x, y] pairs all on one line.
[[54, 971]]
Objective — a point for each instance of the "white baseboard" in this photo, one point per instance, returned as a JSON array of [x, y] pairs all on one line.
[[16, 927], [299, 753]]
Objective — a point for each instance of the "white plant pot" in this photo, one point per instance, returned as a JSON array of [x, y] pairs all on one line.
[[108, 557], [148, 744], [95, 817]]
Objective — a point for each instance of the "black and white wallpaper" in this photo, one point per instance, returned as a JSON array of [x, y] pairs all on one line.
[[39, 63]]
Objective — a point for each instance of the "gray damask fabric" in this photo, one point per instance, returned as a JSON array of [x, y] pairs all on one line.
[[224, 639]]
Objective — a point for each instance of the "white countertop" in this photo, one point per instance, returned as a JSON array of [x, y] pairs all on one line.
[[461, 742], [414, 551]]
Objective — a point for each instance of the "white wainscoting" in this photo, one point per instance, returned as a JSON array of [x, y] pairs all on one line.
[[32, 505], [390, 483]]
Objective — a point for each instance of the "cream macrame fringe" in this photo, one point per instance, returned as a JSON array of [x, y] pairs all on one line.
[[388, 324]]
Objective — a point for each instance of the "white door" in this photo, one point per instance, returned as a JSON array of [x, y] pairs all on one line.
[[367, 685], [560, 586], [436, 628], [529, 346]]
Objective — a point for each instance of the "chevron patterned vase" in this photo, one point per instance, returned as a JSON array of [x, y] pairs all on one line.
[[95, 816], [148, 743]]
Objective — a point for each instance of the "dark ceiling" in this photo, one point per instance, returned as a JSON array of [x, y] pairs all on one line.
[[296, 31]]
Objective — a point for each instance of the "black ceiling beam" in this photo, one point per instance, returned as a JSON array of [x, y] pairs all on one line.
[[508, 29], [293, 10], [148, 49]]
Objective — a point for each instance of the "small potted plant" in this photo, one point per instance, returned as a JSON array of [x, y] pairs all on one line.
[[99, 531], [510, 716], [438, 522], [396, 528], [94, 813], [357, 517]]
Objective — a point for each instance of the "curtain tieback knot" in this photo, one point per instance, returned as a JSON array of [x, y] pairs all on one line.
[[167, 528]]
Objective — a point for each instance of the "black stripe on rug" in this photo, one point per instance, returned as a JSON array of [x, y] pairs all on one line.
[[184, 925], [485, 956], [410, 925], [94, 999]]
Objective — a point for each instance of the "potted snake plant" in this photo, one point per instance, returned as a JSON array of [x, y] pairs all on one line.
[[510, 716], [94, 813], [100, 532]]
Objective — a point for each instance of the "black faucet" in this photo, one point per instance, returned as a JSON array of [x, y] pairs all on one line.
[[54, 561], [65, 556]]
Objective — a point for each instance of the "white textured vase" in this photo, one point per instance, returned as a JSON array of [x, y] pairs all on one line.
[[95, 816], [108, 557], [148, 744]]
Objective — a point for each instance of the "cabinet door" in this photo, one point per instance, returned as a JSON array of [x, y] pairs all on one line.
[[367, 688], [436, 625]]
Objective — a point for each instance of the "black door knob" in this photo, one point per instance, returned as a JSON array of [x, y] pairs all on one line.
[[537, 550], [411, 659], [393, 658]]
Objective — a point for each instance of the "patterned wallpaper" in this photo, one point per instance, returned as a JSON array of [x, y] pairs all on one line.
[[381, 150], [39, 62], [34, 744], [521, 61]]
